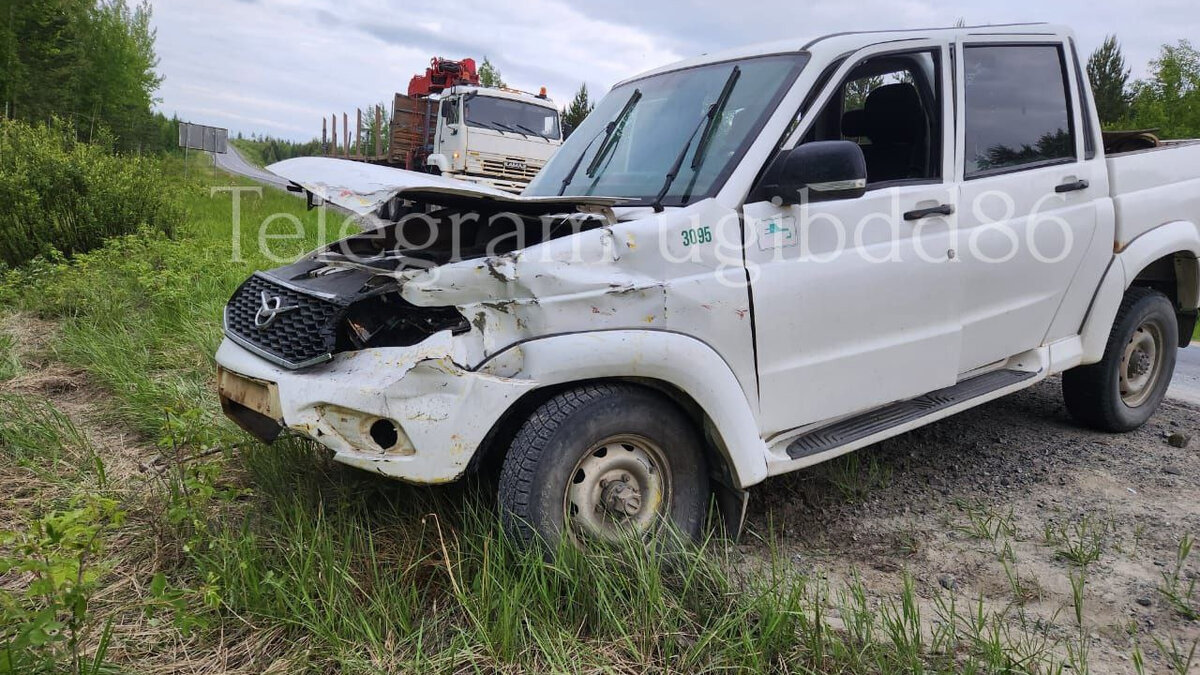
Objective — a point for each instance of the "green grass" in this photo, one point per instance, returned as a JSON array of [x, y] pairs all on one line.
[[9, 367], [142, 315], [1178, 587], [275, 555]]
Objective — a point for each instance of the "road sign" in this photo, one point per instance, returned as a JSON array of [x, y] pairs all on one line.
[[200, 137]]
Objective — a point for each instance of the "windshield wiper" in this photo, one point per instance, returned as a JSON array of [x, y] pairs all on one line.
[[613, 132], [522, 126], [512, 129], [709, 123], [494, 126], [605, 132]]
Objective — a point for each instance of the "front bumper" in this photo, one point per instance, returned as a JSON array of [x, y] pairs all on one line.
[[440, 411]]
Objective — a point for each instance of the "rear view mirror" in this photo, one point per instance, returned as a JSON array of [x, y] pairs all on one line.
[[824, 169]]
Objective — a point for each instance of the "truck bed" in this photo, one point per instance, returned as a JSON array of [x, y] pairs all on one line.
[[1153, 187]]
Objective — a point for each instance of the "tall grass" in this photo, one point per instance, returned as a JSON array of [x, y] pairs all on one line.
[[142, 314]]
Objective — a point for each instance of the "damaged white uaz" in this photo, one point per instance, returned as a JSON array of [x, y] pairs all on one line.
[[737, 266]]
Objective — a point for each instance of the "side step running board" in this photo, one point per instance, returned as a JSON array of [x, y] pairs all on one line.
[[902, 412]]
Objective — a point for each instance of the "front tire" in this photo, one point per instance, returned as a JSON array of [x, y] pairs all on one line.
[[1122, 390], [603, 461]]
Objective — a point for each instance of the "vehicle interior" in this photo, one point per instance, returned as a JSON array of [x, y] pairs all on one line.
[[889, 105]]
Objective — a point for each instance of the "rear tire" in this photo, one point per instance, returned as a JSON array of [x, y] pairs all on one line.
[[602, 461], [1122, 390]]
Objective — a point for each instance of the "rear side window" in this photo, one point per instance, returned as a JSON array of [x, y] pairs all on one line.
[[1017, 108]]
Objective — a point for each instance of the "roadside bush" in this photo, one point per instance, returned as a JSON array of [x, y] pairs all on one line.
[[62, 195]]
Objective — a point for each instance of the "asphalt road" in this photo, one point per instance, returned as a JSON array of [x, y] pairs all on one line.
[[1185, 385], [233, 162]]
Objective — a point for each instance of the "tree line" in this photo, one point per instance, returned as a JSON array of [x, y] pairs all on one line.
[[89, 63], [1167, 100]]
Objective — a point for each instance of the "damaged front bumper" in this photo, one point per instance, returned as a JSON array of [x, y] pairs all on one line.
[[410, 413]]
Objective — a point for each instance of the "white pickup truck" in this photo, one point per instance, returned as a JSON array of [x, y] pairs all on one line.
[[738, 266]]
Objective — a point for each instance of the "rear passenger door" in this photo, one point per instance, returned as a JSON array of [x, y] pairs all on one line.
[[1030, 182]]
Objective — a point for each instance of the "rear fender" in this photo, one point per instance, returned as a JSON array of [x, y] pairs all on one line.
[[1181, 239]]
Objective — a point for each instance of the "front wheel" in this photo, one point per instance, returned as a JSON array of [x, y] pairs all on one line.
[[1122, 390], [601, 462]]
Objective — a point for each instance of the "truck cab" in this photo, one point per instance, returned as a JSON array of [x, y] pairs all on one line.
[[498, 137], [738, 266]]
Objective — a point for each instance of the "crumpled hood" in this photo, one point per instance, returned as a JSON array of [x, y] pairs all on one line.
[[364, 188]]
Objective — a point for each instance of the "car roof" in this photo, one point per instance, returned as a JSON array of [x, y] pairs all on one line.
[[840, 43]]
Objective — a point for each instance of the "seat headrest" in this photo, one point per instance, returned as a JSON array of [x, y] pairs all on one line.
[[854, 123], [893, 114]]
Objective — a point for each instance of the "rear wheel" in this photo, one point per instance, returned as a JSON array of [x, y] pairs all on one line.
[[602, 462], [1122, 390]]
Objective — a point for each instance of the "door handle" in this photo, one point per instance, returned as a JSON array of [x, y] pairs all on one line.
[[939, 210], [1071, 187]]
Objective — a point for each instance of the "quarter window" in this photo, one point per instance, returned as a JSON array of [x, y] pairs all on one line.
[[1017, 107]]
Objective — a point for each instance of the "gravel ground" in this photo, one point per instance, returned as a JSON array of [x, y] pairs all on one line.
[[1013, 486]]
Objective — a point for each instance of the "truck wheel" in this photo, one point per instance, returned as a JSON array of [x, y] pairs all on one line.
[[1122, 390], [601, 462]]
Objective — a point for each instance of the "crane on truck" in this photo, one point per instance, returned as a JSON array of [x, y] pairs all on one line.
[[449, 123]]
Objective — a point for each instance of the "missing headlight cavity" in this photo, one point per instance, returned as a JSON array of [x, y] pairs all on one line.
[[385, 434], [390, 321]]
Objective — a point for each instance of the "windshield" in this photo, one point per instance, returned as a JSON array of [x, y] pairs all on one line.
[[509, 116], [628, 144]]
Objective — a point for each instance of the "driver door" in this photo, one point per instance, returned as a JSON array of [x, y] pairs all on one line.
[[856, 301]]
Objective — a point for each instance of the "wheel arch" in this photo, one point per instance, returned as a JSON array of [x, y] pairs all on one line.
[[1167, 259], [681, 368]]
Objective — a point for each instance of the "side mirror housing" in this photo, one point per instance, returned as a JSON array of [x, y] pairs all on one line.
[[826, 170]]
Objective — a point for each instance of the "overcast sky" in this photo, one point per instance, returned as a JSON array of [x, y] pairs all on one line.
[[278, 66]]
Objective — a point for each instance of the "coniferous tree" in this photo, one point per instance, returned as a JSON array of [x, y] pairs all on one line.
[[574, 114], [1110, 81]]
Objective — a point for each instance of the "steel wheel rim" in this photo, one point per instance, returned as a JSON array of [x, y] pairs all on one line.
[[1141, 364], [620, 486]]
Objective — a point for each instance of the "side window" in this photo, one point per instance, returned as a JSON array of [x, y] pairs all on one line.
[[890, 106], [1017, 107], [450, 111]]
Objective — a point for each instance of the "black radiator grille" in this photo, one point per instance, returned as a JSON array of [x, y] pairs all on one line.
[[295, 337]]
